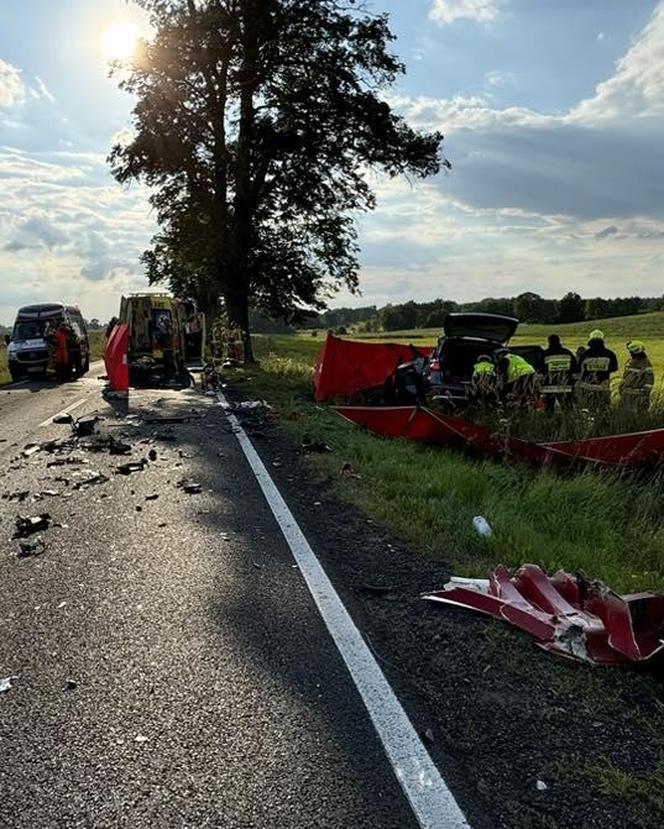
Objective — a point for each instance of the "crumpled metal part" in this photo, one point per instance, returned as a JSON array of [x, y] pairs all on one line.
[[568, 615]]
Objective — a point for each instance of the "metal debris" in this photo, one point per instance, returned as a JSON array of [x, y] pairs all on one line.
[[131, 467], [28, 525], [85, 426], [190, 487], [6, 684], [31, 549]]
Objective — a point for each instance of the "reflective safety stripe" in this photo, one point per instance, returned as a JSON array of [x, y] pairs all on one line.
[[558, 362], [596, 364], [556, 389], [584, 386]]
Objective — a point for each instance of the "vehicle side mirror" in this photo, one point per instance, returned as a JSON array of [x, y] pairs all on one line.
[[8, 339]]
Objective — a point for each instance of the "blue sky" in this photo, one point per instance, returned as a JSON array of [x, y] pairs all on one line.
[[552, 109]]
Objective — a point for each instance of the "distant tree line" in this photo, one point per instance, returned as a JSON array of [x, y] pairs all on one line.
[[527, 307]]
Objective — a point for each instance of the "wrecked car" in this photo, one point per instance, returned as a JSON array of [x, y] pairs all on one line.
[[445, 375]]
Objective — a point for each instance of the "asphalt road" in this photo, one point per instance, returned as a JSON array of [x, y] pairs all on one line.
[[171, 669]]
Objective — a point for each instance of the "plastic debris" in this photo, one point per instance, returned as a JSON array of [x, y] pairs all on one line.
[[31, 549], [568, 615], [27, 525], [482, 526], [117, 447], [6, 684], [131, 467], [85, 426], [140, 738], [541, 786], [152, 455], [62, 419], [190, 487], [316, 447], [71, 685], [31, 449]]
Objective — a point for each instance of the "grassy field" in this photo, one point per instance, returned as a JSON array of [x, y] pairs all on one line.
[[607, 526]]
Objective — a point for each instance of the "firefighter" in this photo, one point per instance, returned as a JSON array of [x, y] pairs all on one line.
[[596, 365], [638, 379], [58, 338], [558, 370], [484, 383], [516, 377]]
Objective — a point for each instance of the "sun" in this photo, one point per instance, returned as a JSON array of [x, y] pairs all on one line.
[[119, 40]]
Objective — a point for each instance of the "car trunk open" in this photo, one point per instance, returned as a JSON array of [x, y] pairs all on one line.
[[494, 327]]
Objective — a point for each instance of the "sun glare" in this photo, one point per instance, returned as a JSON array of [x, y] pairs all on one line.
[[119, 40]]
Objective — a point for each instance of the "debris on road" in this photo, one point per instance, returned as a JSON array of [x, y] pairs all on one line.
[[153, 497], [140, 738], [71, 685], [190, 487], [31, 549], [6, 684], [92, 479], [85, 426], [116, 447], [21, 496], [152, 455], [541, 786], [31, 449], [347, 471], [316, 447], [482, 526], [28, 525], [131, 467], [570, 616], [63, 419]]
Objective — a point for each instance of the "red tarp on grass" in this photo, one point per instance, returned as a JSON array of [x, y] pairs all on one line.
[[346, 367], [415, 423], [115, 358], [569, 616]]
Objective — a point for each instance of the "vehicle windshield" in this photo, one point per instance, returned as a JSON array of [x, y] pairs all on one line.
[[32, 330]]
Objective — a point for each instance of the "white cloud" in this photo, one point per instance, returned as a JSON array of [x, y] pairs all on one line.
[[12, 90], [448, 11], [123, 137], [600, 37], [637, 87], [495, 78], [43, 92], [67, 231]]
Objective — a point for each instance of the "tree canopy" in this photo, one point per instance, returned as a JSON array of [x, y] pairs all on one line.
[[255, 125]]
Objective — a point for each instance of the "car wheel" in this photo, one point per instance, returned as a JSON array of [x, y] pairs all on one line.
[[16, 374]]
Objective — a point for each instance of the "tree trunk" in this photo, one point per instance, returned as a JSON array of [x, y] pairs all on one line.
[[237, 308]]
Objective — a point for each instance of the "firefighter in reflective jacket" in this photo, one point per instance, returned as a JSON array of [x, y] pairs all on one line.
[[484, 384], [638, 379], [558, 370], [596, 365], [516, 377], [57, 337]]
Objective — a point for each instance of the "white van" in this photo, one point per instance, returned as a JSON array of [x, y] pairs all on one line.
[[27, 348]]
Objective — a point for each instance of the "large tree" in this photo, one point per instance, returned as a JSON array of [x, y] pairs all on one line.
[[256, 124]]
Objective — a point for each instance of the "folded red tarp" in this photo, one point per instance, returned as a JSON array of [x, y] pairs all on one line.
[[569, 616], [416, 423], [115, 358], [346, 367]]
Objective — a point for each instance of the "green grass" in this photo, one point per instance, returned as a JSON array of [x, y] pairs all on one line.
[[609, 527], [4, 368]]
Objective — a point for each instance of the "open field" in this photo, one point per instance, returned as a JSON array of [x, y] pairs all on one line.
[[609, 527]]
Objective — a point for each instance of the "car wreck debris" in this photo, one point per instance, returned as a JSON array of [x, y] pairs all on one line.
[[28, 525], [568, 615], [63, 419], [31, 549], [6, 683], [131, 467], [190, 487]]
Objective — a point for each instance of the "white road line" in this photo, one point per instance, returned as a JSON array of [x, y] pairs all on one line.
[[68, 410], [432, 802]]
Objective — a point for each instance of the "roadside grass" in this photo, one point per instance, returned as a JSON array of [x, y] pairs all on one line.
[[605, 525], [4, 368]]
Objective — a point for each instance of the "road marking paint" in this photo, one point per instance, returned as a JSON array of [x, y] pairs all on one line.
[[66, 411], [431, 800]]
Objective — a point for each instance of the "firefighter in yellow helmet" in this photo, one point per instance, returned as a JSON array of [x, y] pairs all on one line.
[[596, 365], [638, 379]]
